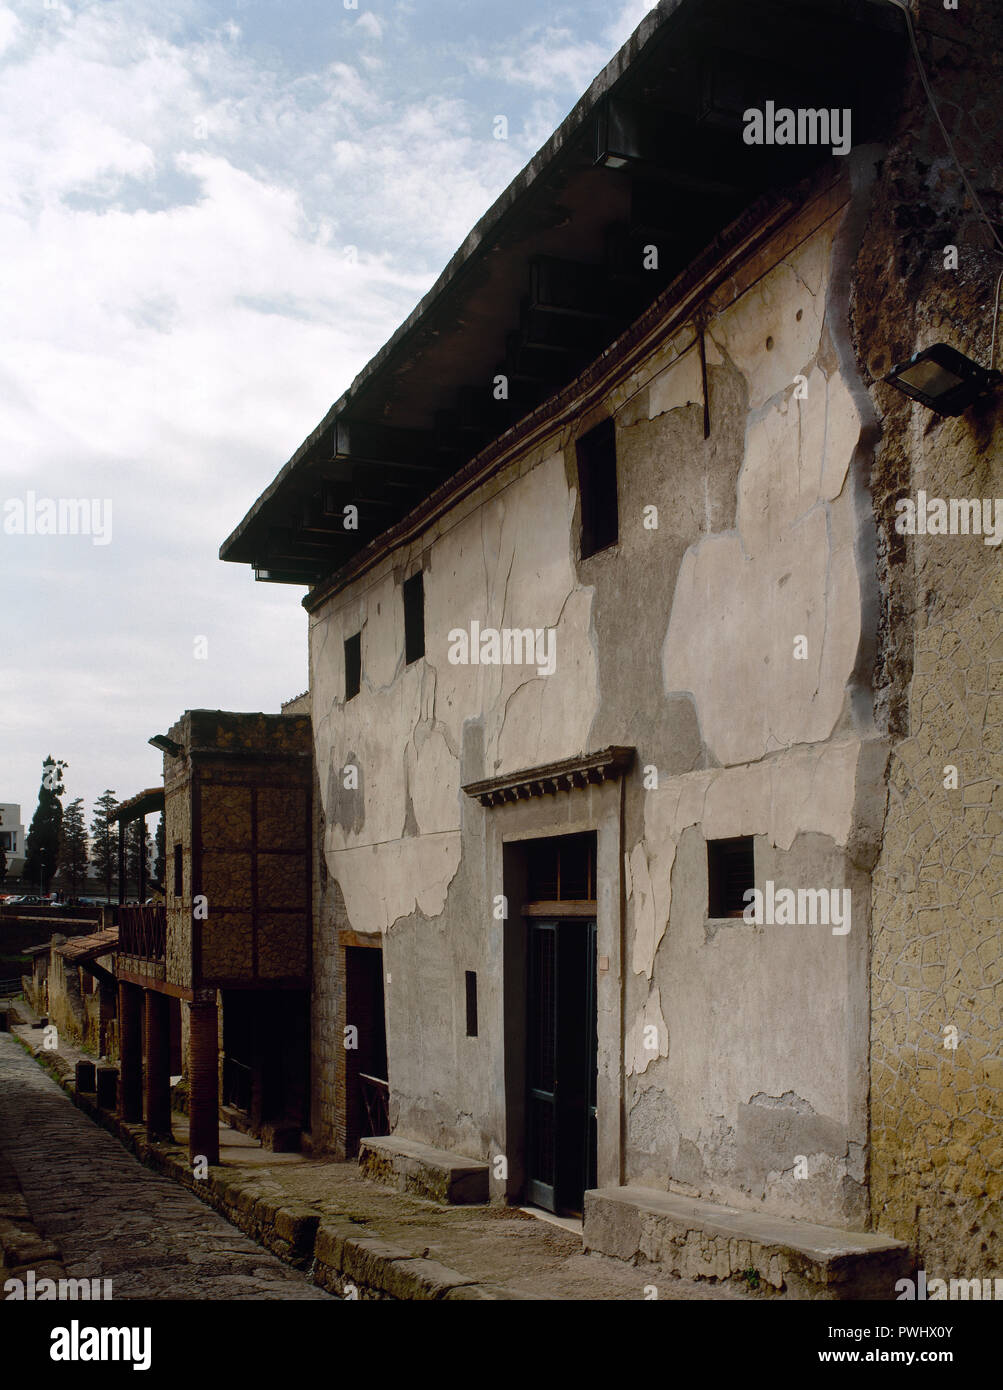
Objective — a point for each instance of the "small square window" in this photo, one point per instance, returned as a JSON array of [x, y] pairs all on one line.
[[353, 666], [731, 871], [414, 618], [597, 488]]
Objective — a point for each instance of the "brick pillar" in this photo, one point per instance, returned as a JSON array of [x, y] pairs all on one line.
[[158, 1065], [203, 1072], [130, 1046]]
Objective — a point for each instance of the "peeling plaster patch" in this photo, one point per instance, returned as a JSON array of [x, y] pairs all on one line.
[[769, 310], [679, 385], [345, 807], [539, 710], [843, 427], [639, 1057], [804, 790], [649, 895], [735, 616], [654, 1123], [688, 1166], [433, 778], [382, 883], [772, 1130]]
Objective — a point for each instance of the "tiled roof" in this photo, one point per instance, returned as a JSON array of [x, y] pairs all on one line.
[[90, 947]]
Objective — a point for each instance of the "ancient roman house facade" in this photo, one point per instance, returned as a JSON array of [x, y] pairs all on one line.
[[622, 774]]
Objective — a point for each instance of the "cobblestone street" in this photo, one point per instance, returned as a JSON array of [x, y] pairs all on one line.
[[114, 1218]]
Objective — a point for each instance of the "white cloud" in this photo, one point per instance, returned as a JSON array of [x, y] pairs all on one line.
[[369, 25], [554, 56], [9, 28], [178, 311]]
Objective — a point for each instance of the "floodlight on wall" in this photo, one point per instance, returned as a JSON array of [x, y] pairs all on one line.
[[166, 745], [943, 379], [622, 135]]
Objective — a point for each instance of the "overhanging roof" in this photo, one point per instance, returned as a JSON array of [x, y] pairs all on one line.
[[142, 804], [652, 154]]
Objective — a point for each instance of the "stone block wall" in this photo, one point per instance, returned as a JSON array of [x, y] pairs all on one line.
[[936, 1174]]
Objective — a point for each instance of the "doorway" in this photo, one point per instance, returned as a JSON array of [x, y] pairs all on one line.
[[367, 1089], [561, 1024], [562, 1056]]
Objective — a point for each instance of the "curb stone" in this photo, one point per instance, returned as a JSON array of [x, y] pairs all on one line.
[[340, 1254]]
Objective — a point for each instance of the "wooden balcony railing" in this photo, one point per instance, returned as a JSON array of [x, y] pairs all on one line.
[[142, 931]]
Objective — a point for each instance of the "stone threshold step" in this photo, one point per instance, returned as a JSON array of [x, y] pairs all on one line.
[[422, 1171], [776, 1255]]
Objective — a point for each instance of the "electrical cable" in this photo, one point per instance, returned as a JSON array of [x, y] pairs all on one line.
[[901, 5]]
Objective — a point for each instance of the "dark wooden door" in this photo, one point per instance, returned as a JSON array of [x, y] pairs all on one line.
[[562, 1062]]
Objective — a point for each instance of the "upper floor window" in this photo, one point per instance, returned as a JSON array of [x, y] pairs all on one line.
[[353, 665], [414, 618], [731, 871], [597, 488]]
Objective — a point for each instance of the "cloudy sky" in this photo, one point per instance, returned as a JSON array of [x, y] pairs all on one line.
[[211, 216]]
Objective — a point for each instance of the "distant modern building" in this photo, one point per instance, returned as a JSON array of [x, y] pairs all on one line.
[[12, 837]]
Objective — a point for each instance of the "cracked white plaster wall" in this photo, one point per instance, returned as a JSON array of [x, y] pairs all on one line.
[[679, 385], [789, 570], [382, 883], [498, 564], [800, 791], [638, 1057], [769, 310]]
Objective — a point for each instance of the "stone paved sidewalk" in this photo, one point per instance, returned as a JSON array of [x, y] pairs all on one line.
[[111, 1216], [306, 1208]]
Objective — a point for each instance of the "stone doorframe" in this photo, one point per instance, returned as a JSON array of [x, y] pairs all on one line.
[[579, 794]]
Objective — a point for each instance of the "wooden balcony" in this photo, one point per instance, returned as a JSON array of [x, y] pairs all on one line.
[[142, 932]]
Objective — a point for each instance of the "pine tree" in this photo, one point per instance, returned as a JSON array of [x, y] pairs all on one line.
[[42, 849], [73, 846], [104, 840], [137, 842], [160, 840]]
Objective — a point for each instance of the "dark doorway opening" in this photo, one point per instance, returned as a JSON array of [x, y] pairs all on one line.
[[367, 1088], [562, 1063], [266, 1060], [560, 1022], [238, 1050], [174, 1017]]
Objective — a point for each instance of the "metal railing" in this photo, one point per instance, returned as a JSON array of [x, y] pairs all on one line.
[[142, 931], [238, 1082], [376, 1098]]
